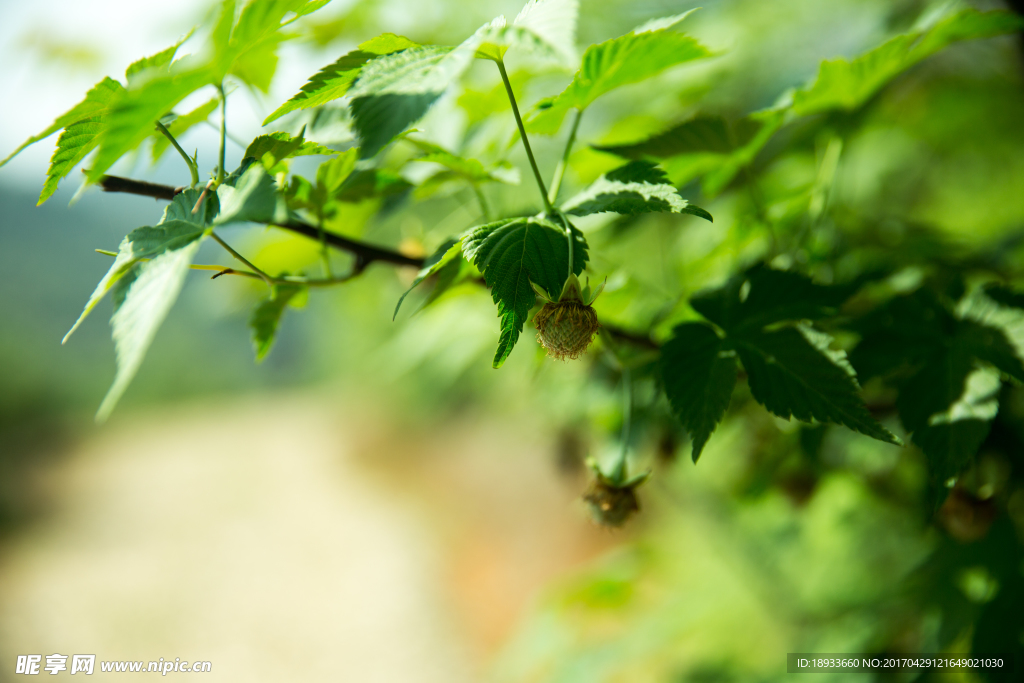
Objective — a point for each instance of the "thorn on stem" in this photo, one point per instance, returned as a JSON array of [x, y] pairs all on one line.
[[226, 271]]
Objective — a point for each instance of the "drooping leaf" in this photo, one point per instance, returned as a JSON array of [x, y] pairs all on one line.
[[266, 317], [96, 103], [282, 145], [793, 372], [334, 80], [178, 228], [332, 174], [543, 27], [134, 114], [468, 169], [698, 374], [763, 295], [640, 54], [513, 253], [142, 298], [180, 125], [396, 90], [370, 183], [254, 197], [446, 253], [638, 187], [843, 84]]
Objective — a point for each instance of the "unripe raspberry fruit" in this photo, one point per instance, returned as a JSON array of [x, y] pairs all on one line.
[[567, 326], [611, 505]]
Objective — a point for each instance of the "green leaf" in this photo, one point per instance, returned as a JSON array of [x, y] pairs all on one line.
[[267, 316], [331, 174], [158, 61], [282, 145], [843, 84], [73, 145], [641, 54], [949, 406], [134, 114], [334, 80], [543, 27], [254, 198], [638, 187], [96, 103], [371, 183], [698, 373], [468, 169], [142, 298], [699, 135], [793, 372], [512, 254], [448, 252], [762, 296], [178, 228], [180, 125], [727, 146]]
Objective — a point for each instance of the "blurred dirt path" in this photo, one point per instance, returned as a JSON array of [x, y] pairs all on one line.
[[283, 542], [244, 537]]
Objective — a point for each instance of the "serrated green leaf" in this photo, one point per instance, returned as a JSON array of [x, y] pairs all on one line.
[[793, 372], [266, 317], [253, 198], [134, 114], [142, 298], [178, 227], [446, 253], [634, 57], [762, 296], [180, 125], [396, 90], [843, 84], [334, 80], [636, 188], [158, 61], [698, 374], [543, 27], [282, 145], [96, 103], [512, 254], [74, 143]]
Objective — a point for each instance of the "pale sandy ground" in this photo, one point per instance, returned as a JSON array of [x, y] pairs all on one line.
[[284, 542]]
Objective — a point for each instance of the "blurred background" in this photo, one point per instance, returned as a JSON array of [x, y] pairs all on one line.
[[373, 502]]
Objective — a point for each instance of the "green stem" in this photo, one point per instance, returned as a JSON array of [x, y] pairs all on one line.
[[568, 237], [324, 255], [484, 208], [526, 140], [556, 182], [223, 132], [192, 169], [266, 278]]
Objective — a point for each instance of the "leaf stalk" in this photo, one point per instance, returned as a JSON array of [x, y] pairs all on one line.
[[193, 168], [526, 141], [556, 182]]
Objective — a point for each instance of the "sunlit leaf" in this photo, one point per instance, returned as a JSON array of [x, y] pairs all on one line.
[[543, 27], [334, 80], [638, 187], [180, 125], [282, 145], [640, 54]]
